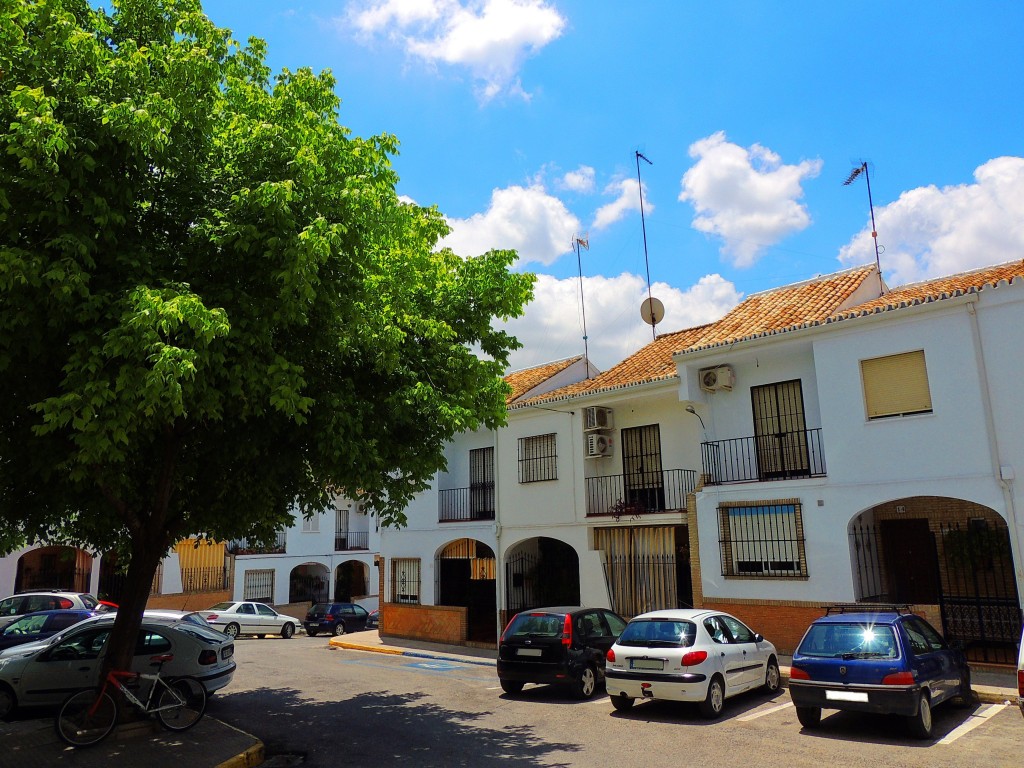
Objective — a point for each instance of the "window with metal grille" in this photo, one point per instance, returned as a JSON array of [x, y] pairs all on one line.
[[481, 481], [538, 459], [763, 540], [896, 385], [258, 585], [405, 580]]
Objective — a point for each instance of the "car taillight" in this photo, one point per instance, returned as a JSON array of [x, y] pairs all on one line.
[[567, 631], [329, 617], [610, 656], [505, 631], [899, 678], [795, 673], [693, 658], [1020, 682], [207, 657], [212, 617], [65, 603]]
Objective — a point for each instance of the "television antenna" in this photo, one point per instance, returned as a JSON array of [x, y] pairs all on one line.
[[652, 311]]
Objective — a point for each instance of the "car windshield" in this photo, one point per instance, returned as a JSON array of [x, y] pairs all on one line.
[[658, 633], [829, 640], [536, 625]]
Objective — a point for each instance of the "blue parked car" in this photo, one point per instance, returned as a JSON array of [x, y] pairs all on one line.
[[33, 627], [886, 661]]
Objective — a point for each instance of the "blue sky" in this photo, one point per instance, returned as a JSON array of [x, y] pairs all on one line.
[[520, 119]]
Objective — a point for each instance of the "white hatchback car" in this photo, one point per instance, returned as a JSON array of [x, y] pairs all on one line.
[[693, 655], [248, 618], [46, 673]]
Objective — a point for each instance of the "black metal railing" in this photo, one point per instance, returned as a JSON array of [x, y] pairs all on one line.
[[246, 547], [460, 504], [345, 540], [781, 456], [641, 493], [206, 579]]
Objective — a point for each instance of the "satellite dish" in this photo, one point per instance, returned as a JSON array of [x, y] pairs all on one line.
[[652, 311]]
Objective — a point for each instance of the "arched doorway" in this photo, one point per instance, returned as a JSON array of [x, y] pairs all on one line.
[[541, 572], [308, 583], [54, 568], [949, 553], [466, 578], [351, 581]]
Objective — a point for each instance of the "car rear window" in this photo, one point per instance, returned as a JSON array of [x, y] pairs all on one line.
[[849, 640], [665, 633], [536, 625], [222, 606], [320, 608]]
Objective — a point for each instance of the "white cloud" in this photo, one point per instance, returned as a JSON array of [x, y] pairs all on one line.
[[930, 232], [552, 327], [580, 180], [491, 39], [528, 219], [748, 197], [627, 200]]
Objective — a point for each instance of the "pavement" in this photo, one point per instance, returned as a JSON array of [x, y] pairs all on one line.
[[215, 744]]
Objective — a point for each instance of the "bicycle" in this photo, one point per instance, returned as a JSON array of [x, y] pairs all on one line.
[[88, 717]]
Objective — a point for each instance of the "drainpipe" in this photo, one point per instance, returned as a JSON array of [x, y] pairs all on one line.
[[1005, 480]]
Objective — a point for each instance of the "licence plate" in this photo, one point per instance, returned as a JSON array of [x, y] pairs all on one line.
[[314, 623], [646, 664], [846, 696], [529, 652]]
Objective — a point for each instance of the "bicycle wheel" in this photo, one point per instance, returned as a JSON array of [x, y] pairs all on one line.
[[86, 718], [181, 704]]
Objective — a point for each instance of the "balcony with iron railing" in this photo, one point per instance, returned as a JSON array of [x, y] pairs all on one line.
[[466, 504], [639, 493], [761, 458], [246, 547], [347, 540]]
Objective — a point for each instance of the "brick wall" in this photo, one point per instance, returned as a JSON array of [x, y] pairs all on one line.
[[189, 601], [432, 623]]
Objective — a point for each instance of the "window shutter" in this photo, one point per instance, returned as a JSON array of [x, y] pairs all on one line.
[[896, 385]]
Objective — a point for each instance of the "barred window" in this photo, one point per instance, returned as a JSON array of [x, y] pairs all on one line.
[[481, 482], [538, 459], [405, 580], [896, 385], [762, 540], [258, 585]]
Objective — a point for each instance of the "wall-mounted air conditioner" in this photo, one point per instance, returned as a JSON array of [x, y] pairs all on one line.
[[718, 379], [595, 418], [598, 445]]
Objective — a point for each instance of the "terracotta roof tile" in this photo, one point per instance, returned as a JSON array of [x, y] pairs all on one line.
[[523, 381]]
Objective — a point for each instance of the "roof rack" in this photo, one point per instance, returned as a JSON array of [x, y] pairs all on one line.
[[901, 608]]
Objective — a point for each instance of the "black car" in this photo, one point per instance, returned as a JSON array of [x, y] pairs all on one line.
[[34, 627], [565, 646], [336, 618]]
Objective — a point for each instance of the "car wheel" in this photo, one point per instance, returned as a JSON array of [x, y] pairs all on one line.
[[231, 630], [809, 717], [8, 701], [511, 686], [287, 630], [965, 694], [714, 702], [921, 723], [311, 632], [772, 676], [622, 703], [585, 684], [261, 636], [339, 629]]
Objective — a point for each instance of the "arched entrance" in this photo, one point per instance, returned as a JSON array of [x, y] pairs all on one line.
[[308, 583], [466, 577], [948, 553], [351, 581], [541, 572], [54, 568]]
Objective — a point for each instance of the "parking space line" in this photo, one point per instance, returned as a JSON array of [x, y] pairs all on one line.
[[973, 722], [763, 712]]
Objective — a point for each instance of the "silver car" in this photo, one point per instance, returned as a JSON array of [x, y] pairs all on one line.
[[247, 618], [46, 673], [31, 601]]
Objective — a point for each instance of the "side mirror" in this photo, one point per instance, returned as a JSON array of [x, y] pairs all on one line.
[[758, 637]]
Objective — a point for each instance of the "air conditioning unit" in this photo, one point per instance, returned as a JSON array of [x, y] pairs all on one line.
[[598, 446], [596, 417], [718, 379]]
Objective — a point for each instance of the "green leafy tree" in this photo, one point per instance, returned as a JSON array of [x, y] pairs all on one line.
[[214, 308]]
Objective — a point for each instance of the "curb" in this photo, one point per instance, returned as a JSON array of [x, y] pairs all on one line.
[[250, 758]]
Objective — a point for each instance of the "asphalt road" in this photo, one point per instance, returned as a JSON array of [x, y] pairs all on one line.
[[317, 706]]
